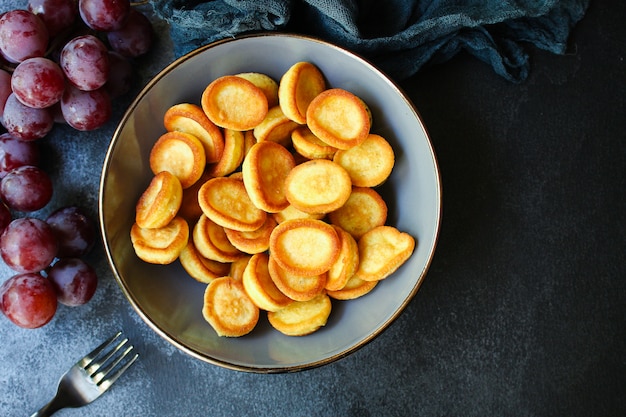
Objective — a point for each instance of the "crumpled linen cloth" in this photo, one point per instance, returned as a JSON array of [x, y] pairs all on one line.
[[399, 36]]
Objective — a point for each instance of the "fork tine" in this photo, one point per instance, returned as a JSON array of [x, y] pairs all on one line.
[[92, 356], [106, 383]]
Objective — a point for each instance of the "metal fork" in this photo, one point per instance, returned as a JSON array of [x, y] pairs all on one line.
[[91, 376]]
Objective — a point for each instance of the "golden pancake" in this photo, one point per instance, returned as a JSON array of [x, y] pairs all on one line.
[[160, 202], [364, 210], [256, 241], [276, 127], [382, 251], [228, 309], [354, 288], [298, 86], [181, 154], [346, 264], [301, 318], [310, 146], [200, 268], [234, 149], [294, 286], [160, 245], [211, 241], [368, 164], [260, 287], [266, 83]]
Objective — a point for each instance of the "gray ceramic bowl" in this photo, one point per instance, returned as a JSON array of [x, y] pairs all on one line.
[[170, 302]]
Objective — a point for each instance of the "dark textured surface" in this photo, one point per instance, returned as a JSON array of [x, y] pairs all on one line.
[[523, 312]]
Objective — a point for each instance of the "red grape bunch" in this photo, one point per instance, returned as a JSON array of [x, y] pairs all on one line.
[[65, 60]]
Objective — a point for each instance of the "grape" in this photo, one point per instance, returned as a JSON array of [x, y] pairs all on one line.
[[120, 76], [28, 300], [15, 153], [5, 89], [86, 110], [75, 232], [26, 123], [104, 15], [23, 35], [27, 188], [74, 281], [38, 82], [134, 38], [85, 62], [28, 245], [5, 216], [57, 15]]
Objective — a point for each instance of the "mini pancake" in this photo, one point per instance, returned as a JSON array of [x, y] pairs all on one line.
[[318, 186], [238, 266], [160, 245], [310, 146], [190, 118], [235, 103], [234, 149], [260, 287], [301, 318], [211, 241], [266, 83], [276, 127], [256, 241], [298, 86], [160, 202], [364, 210], [181, 154], [368, 164], [228, 309], [346, 264], [294, 286], [265, 170], [382, 251], [189, 208], [304, 247], [200, 268], [354, 288], [339, 118], [290, 213], [225, 201]]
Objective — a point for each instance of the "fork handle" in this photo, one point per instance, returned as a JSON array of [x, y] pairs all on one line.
[[52, 407]]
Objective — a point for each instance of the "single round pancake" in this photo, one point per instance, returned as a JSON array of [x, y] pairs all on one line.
[[160, 202], [234, 103], [190, 118], [260, 287], [364, 210], [294, 286], [238, 267], [225, 201], [354, 288], [304, 247], [318, 186], [234, 149], [310, 146], [276, 127], [211, 241], [298, 86], [338, 118], [256, 241], [368, 164], [228, 309], [265, 170], [160, 245], [200, 268], [346, 264], [265, 83], [382, 251], [181, 154], [301, 318]]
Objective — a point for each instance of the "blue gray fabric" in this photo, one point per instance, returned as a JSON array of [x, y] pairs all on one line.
[[399, 36]]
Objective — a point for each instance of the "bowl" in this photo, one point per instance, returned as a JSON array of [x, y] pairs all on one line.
[[170, 301]]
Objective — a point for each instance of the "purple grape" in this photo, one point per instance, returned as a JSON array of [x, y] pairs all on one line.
[[26, 123], [5, 89], [86, 110], [27, 188], [85, 62], [57, 15], [104, 15], [74, 281], [38, 82], [5, 216], [28, 300], [134, 38], [23, 35], [75, 232], [15, 153], [28, 245]]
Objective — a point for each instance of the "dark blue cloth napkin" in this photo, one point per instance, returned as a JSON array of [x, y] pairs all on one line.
[[399, 36]]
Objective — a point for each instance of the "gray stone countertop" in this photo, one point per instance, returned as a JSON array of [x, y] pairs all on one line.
[[523, 312]]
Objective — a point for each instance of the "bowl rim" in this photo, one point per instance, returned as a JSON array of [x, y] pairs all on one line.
[[171, 338]]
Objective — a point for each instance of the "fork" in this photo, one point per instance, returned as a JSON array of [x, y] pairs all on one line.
[[91, 376]]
